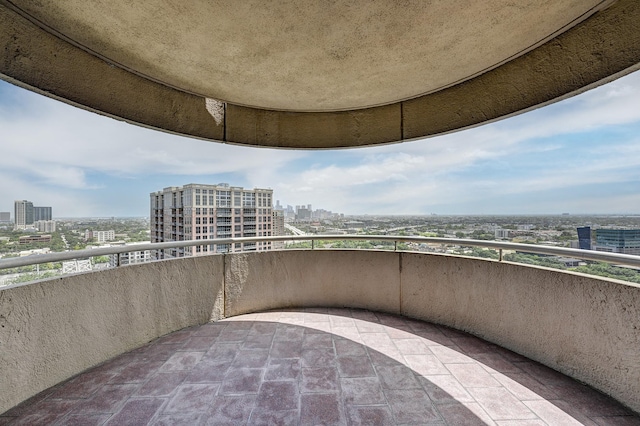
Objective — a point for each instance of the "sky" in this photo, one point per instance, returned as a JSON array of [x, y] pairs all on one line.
[[580, 156]]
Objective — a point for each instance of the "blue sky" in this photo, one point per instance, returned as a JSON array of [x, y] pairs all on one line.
[[581, 155]]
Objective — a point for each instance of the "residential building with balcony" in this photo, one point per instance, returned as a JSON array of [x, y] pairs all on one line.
[[201, 212]]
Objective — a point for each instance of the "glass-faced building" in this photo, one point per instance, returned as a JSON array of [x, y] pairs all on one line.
[[626, 241]]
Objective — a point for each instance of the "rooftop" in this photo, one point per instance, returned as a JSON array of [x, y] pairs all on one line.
[[320, 366]]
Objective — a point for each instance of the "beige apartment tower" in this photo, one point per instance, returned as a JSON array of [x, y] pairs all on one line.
[[201, 212]]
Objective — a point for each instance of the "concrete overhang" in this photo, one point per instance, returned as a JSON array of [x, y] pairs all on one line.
[[315, 74]]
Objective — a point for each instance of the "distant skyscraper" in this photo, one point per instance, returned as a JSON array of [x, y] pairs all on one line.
[[23, 214], [41, 213], [584, 238], [626, 241], [5, 216], [200, 212]]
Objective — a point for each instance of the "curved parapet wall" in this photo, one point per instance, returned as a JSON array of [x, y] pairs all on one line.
[[586, 327], [52, 330]]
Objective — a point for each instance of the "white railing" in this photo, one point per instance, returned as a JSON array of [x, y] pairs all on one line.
[[616, 258]]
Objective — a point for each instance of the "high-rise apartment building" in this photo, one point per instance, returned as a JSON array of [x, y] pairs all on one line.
[[278, 228], [41, 213], [200, 212], [23, 214], [626, 241]]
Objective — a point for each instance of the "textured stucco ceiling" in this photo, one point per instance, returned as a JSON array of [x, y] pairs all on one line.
[[315, 74]]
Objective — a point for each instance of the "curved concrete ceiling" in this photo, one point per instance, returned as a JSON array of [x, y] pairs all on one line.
[[315, 74]]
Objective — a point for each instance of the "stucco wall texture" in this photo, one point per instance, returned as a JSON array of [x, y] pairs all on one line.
[[588, 328]]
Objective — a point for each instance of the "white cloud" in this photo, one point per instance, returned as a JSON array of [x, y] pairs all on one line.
[[53, 151]]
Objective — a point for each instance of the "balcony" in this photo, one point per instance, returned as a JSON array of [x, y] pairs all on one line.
[[435, 337]]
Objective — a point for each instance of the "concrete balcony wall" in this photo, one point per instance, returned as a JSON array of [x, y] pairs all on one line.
[[287, 279], [586, 327], [52, 330]]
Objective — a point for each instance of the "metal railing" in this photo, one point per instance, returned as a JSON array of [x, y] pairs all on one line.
[[500, 246]]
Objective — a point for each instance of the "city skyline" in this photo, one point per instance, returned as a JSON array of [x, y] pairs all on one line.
[[581, 156]]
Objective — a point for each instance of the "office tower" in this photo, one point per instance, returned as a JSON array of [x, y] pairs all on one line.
[[23, 214], [41, 213], [200, 212], [584, 238], [5, 216], [626, 241]]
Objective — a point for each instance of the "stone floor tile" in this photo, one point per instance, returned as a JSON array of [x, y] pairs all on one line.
[[46, 412], [322, 379], [412, 347], [317, 328], [211, 329], [472, 375], [472, 345], [283, 369], [362, 391], [400, 333], [230, 410], [264, 328], [470, 414], [222, 351], [341, 321], [389, 358], [324, 357], [251, 359], [229, 336], [449, 355], [321, 409], [411, 406], [258, 341], [288, 333], [355, 366], [397, 377], [369, 327], [260, 417], [369, 415], [198, 343], [278, 396], [136, 372], [286, 349], [444, 389], [550, 413], [493, 362], [208, 371], [298, 374], [241, 381], [346, 347], [82, 386], [426, 365], [347, 332], [525, 387], [182, 361], [162, 384], [500, 404], [179, 419], [107, 399], [83, 420], [192, 397], [136, 412], [317, 341]]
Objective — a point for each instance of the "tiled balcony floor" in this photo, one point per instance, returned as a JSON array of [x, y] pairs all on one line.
[[320, 366]]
